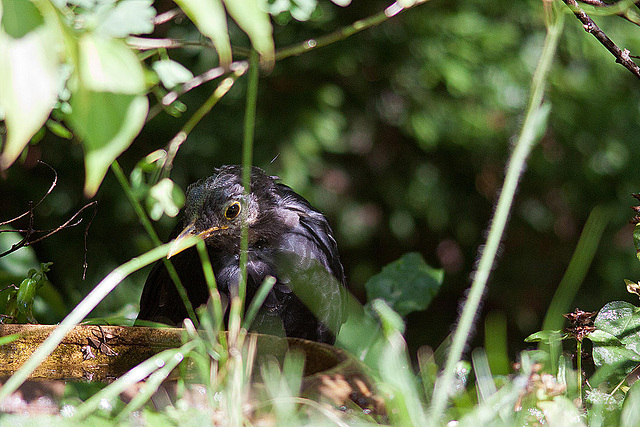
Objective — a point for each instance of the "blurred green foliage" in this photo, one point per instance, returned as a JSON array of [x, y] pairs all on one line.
[[400, 135]]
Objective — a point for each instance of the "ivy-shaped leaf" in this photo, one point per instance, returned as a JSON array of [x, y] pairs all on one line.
[[616, 340], [407, 284]]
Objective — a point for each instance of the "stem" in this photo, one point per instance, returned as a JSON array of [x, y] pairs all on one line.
[[579, 368], [205, 108], [211, 283], [534, 125], [247, 160], [137, 207], [146, 223], [344, 32]]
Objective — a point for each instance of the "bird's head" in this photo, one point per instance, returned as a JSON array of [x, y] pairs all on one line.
[[216, 207]]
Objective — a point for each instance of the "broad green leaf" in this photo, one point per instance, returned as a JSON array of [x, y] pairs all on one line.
[[561, 412], [20, 17], [407, 284], [545, 336], [631, 409], [255, 22], [210, 18], [28, 87], [616, 341], [108, 108], [601, 337], [107, 123], [127, 17], [171, 73], [622, 320], [109, 65]]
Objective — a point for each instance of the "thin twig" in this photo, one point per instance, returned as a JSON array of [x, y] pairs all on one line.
[[67, 224], [344, 32], [297, 49], [167, 16], [176, 141], [145, 43], [235, 67], [622, 56], [51, 187], [238, 68]]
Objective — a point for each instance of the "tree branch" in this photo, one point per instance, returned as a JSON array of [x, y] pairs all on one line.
[[622, 56]]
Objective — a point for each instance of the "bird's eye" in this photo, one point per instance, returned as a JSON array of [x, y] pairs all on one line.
[[232, 210]]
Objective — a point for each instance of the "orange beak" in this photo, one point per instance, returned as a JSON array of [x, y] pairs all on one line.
[[189, 231]]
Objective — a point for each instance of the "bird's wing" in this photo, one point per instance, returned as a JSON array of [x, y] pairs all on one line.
[[310, 252], [315, 227]]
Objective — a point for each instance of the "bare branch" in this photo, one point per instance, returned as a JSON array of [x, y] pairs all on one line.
[[622, 56], [29, 211], [30, 230], [167, 16]]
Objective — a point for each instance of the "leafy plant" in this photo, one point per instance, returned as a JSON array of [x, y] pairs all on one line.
[[93, 77]]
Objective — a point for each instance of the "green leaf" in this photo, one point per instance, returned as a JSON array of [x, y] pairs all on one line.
[[621, 319], [109, 65], [546, 336], [210, 18], [616, 341], [603, 338], [630, 416], [255, 22], [20, 17], [108, 108], [107, 123], [561, 411], [391, 321], [407, 284], [127, 17], [28, 87], [171, 73]]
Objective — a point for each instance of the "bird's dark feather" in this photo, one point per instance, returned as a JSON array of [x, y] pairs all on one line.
[[288, 239]]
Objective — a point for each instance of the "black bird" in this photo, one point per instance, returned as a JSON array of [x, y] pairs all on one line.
[[288, 239]]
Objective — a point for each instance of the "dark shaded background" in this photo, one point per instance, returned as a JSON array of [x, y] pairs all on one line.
[[400, 135]]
